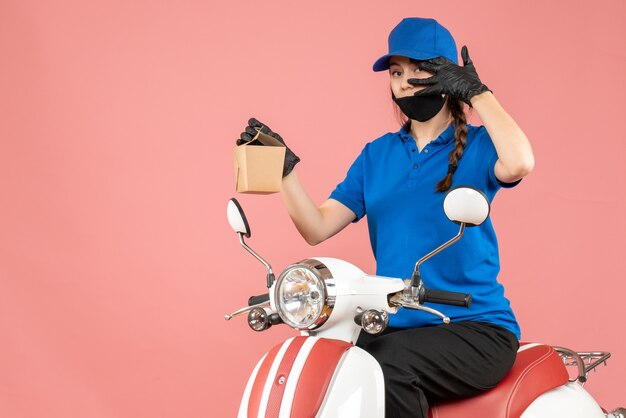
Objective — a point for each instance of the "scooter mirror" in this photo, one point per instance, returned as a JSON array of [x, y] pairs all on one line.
[[237, 219], [466, 205]]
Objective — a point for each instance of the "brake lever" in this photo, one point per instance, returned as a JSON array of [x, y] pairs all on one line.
[[417, 306], [246, 309], [405, 300]]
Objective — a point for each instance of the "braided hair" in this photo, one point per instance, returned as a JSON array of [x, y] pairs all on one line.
[[460, 137]]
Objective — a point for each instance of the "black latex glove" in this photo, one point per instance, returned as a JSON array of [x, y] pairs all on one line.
[[291, 159], [458, 82]]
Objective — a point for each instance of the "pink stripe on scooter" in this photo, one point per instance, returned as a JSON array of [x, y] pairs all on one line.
[[316, 376]]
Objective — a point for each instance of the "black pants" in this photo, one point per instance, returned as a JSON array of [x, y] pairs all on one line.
[[439, 363]]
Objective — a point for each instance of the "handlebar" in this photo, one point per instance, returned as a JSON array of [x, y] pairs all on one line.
[[255, 300], [445, 297]]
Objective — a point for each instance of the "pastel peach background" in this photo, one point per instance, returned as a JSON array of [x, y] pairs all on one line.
[[117, 120]]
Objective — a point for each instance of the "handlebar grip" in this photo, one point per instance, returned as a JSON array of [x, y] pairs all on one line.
[[445, 297], [255, 300]]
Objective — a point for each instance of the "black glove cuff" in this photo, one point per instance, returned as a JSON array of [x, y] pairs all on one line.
[[290, 163], [473, 92]]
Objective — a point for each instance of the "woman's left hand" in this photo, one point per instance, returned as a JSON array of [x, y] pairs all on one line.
[[449, 78]]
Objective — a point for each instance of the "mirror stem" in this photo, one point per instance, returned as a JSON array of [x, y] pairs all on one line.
[[416, 279], [270, 273]]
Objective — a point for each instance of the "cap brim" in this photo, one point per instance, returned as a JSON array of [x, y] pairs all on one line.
[[382, 63]]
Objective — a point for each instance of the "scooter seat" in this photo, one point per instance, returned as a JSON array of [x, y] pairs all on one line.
[[537, 369]]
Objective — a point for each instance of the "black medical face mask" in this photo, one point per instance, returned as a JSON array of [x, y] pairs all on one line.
[[420, 108]]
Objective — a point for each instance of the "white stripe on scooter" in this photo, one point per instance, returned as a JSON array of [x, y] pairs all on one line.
[[243, 407], [267, 389], [294, 376]]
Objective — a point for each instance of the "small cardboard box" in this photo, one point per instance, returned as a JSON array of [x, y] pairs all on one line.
[[259, 165]]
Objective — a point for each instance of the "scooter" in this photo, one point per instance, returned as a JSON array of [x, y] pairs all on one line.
[[321, 373]]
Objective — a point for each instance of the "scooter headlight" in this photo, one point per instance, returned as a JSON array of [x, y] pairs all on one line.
[[304, 294]]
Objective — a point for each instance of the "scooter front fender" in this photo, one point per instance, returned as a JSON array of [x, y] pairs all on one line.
[[314, 377]]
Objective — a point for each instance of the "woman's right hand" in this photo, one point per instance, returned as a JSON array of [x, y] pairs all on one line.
[[250, 132]]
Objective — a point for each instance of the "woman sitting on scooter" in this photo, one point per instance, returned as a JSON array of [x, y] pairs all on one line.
[[399, 181]]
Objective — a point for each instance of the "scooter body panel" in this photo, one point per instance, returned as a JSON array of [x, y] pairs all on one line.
[[570, 400], [243, 406], [357, 389], [321, 377]]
